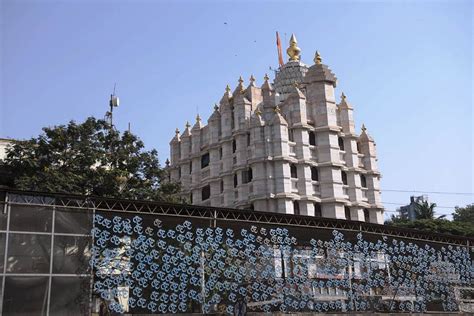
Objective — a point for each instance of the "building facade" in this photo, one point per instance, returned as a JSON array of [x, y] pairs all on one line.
[[409, 211], [285, 147]]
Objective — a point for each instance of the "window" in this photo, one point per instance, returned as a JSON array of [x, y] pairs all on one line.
[[220, 153], [293, 172], [358, 147], [234, 146], [222, 186], [363, 181], [191, 198], [312, 138], [205, 192], [341, 143], [235, 181], [247, 175], [248, 139], [296, 208], [366, 215], [290, 135], [205, 160], [314, 174], [344, 177], [190, 167], [347, 212], [232, 119], [317, 210]]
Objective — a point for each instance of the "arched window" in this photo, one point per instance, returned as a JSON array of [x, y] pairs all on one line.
[[341, 143], [205, 160], [247, 175], [344, 177], [236, 182], [293, 171], [312, 138], [347, 212], [358, 147], [234, 146], [363, 181], [317, 210], [366, 215], [205, 193], [296, 208], [220, 153], [314, 174]]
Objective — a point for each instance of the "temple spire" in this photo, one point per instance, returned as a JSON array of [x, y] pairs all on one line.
[[293, 51], [317, 58]]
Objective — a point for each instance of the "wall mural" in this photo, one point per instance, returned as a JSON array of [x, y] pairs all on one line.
[[154, 269]]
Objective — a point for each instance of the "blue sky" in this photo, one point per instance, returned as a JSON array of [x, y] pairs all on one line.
[[406, 66]]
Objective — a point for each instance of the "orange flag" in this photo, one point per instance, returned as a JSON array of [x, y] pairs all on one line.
[[280, 56]]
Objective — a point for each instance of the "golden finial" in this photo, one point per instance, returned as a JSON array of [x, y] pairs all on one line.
[[276, 109], [216, 107], [187, 124], [343, 96], [317, 58], [198, 118], [363, 128], [266, 77], [252, 80], [295, 84], [177, 131], [293, 51], [227, 89], [258, 112]]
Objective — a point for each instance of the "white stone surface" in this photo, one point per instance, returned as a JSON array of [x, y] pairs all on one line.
[[246, 132]]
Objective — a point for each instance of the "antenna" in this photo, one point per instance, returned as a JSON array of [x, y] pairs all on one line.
[[113, 103]]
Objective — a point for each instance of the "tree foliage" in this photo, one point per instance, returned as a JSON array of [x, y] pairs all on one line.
[[425, 210], [89, 158], [462, 224], [464, 214]]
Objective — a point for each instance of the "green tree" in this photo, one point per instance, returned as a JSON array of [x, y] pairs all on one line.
[[89, 158], [464, 214], [425, 210]]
